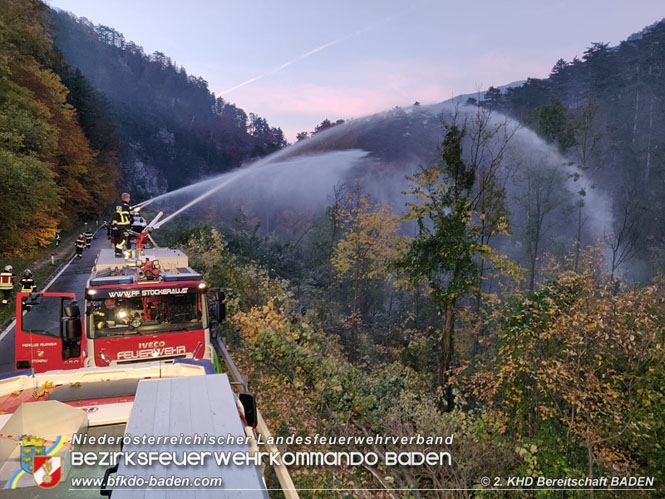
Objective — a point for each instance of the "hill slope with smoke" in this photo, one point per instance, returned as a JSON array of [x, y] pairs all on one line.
[[598, 141]]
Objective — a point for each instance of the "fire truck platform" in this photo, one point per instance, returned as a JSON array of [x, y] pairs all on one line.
[[196, 406]]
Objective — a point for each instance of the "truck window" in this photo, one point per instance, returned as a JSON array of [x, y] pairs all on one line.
[[146, 315], [44, 316]]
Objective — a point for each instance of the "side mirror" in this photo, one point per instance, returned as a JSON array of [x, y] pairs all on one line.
[[249, 404], [73, 330], [71, 309], [219, 304]]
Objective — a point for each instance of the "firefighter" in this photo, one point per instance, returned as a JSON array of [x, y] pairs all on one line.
[[57, 239], [127, 209], [79, 245], [122, 221], [105, 316], [27, 283], [88, 236], [7, 283], [119, 232]]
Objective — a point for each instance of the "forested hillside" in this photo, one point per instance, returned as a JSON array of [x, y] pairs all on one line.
[[56, 165], [172, 129], [605, 113]]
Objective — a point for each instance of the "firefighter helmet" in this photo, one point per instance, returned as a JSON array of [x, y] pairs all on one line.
[[28, 271], [9, 268]]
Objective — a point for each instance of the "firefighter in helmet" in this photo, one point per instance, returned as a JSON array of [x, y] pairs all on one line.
[[7, 283], [79, 245], [88, 236], [27, 283], [122, 221]]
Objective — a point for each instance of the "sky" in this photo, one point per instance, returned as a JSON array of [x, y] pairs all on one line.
[[297, 62]]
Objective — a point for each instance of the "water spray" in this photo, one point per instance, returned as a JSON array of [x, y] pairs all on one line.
[[200, 198], [218, 182]]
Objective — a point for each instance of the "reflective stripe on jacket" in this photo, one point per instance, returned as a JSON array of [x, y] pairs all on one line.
[[6, 280], [27, 285]]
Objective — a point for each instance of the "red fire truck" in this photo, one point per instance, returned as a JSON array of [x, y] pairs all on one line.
[[147, 308]]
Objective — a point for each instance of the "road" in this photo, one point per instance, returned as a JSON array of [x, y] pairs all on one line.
[[72, 279]]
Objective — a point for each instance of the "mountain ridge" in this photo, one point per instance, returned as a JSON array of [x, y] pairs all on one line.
[[172, 129]]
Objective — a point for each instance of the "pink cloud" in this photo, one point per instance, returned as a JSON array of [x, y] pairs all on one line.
[[376, 87]]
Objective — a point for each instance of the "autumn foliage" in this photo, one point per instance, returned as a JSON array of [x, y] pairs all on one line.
[[565, 381], [575, 374], [49, 173]]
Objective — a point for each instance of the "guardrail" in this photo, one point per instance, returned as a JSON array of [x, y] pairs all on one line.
[[281, 470]]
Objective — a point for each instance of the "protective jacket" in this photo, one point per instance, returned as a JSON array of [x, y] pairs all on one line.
[[27, 285], [6, 280], [80, 242], [126, 208], [123, 218]]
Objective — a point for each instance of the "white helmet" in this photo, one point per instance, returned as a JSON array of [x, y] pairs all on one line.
[[9, 268]]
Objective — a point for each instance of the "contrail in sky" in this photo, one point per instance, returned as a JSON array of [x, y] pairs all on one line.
[[317, 49]]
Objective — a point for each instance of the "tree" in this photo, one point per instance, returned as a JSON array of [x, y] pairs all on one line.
[[543, 192], [552, 122], [301, 136], [586, 138], [325, 124], [488, 143], [625, 238], [492, 97], [111, 36], [559, 68], [268, 138], [597, 49], [443, 253], [369, 242], [31, 203], [579, 373]]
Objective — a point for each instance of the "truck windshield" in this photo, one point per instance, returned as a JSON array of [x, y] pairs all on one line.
[[146, 315]]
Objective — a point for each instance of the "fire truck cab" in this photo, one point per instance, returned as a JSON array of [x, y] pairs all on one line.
[[147, 308]]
